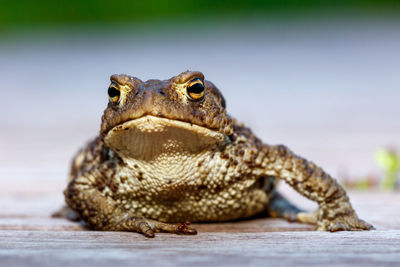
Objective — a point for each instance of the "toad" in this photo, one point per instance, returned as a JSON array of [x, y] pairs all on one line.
[[169, 153]]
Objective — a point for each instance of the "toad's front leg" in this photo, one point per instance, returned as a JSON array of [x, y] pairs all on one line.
[[102, 213], [335, 212]]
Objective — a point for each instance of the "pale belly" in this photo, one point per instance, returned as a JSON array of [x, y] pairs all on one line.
[[219, 207], [183, 191]]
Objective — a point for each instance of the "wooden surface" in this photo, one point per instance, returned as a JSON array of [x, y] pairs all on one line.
[[29, 237], [47, 248]]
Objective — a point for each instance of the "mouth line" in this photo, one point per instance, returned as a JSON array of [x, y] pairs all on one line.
[[172, 122], [149, 136]]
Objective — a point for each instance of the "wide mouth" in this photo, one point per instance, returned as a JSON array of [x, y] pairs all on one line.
[[149, 136]]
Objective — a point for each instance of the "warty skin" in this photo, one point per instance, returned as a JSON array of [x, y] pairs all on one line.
[[169, 153]]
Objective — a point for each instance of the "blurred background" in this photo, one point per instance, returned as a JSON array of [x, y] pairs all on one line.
[[322, 77]]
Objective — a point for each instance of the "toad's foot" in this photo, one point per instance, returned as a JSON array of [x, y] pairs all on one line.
[[280, 207], [343, 222], [66, 212], [149, 227], [307, 217]]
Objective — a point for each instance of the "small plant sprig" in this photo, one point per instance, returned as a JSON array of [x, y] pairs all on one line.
[[389, 160]]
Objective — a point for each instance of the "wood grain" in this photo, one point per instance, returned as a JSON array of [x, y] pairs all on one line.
[[49, 248], [30, 237]]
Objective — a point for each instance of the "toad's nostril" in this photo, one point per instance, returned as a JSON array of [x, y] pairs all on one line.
[[161, 92]]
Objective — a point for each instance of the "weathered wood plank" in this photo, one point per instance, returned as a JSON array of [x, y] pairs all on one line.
[[30, 237], [47, 248]]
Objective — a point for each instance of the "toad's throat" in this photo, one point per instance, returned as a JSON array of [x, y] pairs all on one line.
[[148, 137]]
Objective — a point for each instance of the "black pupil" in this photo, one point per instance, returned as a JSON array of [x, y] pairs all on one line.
[[113, 92], [196, 88]]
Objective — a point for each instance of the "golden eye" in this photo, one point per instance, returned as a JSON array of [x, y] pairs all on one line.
[[195, 89], [113, 93]]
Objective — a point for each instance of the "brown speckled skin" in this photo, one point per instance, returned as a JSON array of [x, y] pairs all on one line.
[[230, 179]]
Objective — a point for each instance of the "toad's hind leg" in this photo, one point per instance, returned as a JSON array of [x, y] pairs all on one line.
[[280, 207]]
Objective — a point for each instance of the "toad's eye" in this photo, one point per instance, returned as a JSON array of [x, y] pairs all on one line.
[[195, 89], [113, 93]]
